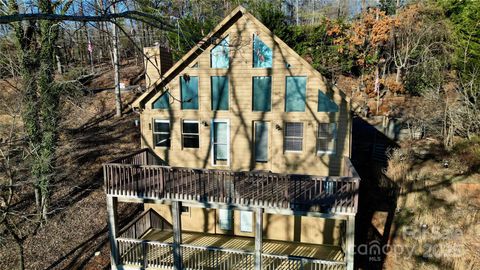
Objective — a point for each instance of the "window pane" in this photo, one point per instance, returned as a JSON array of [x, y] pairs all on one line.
[[162, 140], [295, 94], [246, 221], [220, 152], [294, 129], [261, 141], [220, 132], [325, 145], [262, 54], [190, 141], [190, 127], [293, 144], [161, 126], [326, 137], [219, 93], [326, 104], [225, 219], [162, 102], [219, 55], [262, 91], [189, 89]]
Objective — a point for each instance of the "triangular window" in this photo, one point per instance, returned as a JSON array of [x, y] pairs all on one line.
[[219, 55], [162, 102], [326, 104], [262, 54]]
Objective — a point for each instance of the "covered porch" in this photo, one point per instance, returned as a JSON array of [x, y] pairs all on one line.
[[149, 242]]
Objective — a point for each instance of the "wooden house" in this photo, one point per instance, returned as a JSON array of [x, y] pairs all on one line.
[[244, 161]]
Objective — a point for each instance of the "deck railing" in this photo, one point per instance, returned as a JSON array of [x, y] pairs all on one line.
[[145, 254], [139, 175], [272, 262], [143, 223], [195, 257]]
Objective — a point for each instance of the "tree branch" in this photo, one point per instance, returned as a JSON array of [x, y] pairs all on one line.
[[150, 19]]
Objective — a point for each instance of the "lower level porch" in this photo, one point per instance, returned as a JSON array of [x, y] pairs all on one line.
[[212, 251]]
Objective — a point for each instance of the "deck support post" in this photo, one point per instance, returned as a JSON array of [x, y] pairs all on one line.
[[258, 238], [177, 234], [113, 230], [350, 242]]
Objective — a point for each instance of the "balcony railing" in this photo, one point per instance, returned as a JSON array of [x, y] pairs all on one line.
[[152, 254], [141, 175]]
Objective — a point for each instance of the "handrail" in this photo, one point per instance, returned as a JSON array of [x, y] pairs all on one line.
[[300, 258], [211, 248]]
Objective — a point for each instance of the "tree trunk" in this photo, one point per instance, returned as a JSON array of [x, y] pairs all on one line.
[[21, 255], [398, 76], [116, 68]]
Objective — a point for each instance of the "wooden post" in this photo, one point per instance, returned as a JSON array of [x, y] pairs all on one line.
[[113, 230], [177, 234], [258, 238], [350, 242]]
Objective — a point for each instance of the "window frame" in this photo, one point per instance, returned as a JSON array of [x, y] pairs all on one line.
[[155, 120], [257, 37], [253, 93], [218, 96], [304, 96], [227, 41], [212, 141], [191, 134], [267, 124], [294, 137], [333, 137], [181, 78]]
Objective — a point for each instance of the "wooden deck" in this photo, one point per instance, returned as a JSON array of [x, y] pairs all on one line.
[[139, 176], [282, 248]]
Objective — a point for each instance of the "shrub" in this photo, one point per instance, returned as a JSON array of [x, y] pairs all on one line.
[[468, 152]]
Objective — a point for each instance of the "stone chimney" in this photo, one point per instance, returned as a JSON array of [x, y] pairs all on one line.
[[160, 61]]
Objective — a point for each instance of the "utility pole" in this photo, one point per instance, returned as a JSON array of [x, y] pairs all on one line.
[[116, 65]]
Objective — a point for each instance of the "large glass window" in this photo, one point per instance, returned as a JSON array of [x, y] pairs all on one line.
[[219, 55], [296, 88], [161, 133], [293, 137], [262, 93], [326, 137], [190, 135], [219, 93], [162, 102], [262, 54], [261, 141], [326, 104], [220, 141], [189, 89]]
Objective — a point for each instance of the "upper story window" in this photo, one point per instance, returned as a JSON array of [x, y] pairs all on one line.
[[262, 94], [161, 133], [293, 137], [189, 92], [295, 96], [326, 138], [326, 104], [219, 55], [162, 102], [219, 93], [190, 135], [262, 54]]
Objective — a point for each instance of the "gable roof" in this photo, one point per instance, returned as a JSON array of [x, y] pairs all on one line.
[[203, 44]]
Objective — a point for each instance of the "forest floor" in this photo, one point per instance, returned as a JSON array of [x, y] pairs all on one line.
[[76, 232]]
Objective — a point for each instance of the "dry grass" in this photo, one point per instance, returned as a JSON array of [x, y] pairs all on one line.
[[437, 225]]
